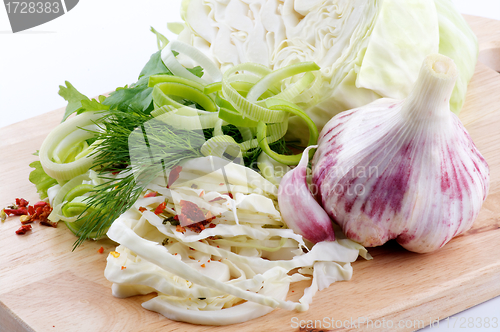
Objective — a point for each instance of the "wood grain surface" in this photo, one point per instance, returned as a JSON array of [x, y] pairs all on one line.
[[46, 287]]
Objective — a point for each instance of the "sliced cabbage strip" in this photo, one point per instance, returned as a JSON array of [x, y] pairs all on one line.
[[235, 268]]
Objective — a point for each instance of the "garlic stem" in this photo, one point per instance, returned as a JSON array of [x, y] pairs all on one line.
[[430, 97]]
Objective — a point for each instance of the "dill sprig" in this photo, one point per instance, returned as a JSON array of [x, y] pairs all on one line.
[[141, 148], [134, 149]]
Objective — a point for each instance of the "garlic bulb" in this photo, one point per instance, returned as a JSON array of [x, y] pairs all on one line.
[[299, 210], [402, 169]]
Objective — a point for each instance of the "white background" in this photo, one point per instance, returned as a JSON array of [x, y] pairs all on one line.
[[100, 45]]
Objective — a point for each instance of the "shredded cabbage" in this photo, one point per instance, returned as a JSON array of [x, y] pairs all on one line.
[[235, 269], [366, 49]]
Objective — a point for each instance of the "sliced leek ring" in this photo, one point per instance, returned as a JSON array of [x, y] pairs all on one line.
[[196, 55], [262, 132], [67, 171]]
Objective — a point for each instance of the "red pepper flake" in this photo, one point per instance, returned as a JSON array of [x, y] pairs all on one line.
[[208, 261], [43, 216], [217, 199], [23, 229], [47, 222], [217, 246], [191, 257], [142, 209], [151, 194], [40, 204], [175, 254], [230, 195], [16, 212], [202, 265], [101, 250], [31, 210], [21, 202], [124, 267], [159, 209], [221, 184], [180, 229], [211, 225], [173, 175], [190, 213]]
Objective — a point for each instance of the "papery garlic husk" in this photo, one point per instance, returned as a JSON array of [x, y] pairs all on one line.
[[402, 169]]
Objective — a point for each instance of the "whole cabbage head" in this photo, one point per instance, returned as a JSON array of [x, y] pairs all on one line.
[[367, 49]]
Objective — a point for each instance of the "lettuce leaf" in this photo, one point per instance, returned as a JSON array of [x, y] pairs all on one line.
[[40, 179], [78, 102], [73, 97], [139, 96]]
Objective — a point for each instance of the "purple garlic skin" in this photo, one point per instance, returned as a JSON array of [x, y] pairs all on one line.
[[300, 211], [405, 170]]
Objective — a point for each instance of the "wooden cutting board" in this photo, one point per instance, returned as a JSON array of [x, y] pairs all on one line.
[[46, 287]]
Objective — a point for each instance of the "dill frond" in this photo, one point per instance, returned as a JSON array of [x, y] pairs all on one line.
[[141, 148]]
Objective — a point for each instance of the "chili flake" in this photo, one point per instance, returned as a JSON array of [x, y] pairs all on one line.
[[48, 222], [40, 204], [43, 216], [21, 202], [190, 213], [217, 199], [180, 229], [23, 229], [159, 209], [142, 209], [202, 265], [17, 211], [173, 175], [101, 250], [124, 267], [151, 194]]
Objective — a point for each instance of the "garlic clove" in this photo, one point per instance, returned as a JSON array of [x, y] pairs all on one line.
[[404, 170], [300, 211]]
